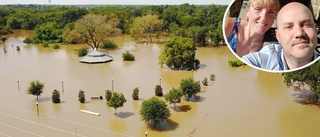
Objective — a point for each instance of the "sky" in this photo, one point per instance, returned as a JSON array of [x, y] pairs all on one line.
[[118, 2]]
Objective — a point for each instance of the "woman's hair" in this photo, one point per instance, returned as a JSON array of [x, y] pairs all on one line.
[[274, 4]]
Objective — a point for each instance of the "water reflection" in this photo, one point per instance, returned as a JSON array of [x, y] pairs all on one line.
[[240, 102], [56, 107]]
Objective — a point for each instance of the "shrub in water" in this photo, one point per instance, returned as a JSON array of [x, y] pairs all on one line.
[[109, 45], [108, 95], [212, 77], [56, 46], [127, 56], [56, 96], [158, 91], [135, 94], [82, 52], [236, 63], [82, 96], [45, 44], [205, 81]]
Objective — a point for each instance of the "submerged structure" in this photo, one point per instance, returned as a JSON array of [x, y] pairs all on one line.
[[96, 57]]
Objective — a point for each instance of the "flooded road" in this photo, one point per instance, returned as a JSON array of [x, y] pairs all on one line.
[[241, 102]]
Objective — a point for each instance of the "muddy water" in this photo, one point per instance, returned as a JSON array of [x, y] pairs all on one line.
[[241, 102]]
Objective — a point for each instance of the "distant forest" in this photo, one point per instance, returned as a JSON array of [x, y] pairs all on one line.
[[203, 23]]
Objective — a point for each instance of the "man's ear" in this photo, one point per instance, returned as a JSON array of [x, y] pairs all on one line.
[[277, 35]]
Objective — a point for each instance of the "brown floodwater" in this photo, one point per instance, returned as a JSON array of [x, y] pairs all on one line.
[[241, 101]]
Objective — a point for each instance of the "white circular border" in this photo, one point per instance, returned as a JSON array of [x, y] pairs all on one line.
[[266, 70]]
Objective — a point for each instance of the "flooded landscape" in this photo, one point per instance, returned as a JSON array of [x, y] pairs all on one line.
[[241, 102]]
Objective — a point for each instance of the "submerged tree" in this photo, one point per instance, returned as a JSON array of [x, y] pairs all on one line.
[[117, 100], [189, 87], [27, 40], [3, 39], [144, 26], [47, 32], [179, 53], [81, 96], [174, 96], [205, 81], [93, 30], [108, 94], [127, 56], [56, 96], [158, 91], [135, 94], [154, 110], [35, 88], [212, 77], [309, 76]]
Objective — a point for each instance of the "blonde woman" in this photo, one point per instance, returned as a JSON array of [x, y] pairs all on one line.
[[246, 35]]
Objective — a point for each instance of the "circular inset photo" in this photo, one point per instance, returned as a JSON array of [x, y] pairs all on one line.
[[273, 35]]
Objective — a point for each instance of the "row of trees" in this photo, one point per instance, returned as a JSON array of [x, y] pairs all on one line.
[[201, 23], [152, 110]]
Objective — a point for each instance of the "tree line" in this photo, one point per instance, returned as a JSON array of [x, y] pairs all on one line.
[[201, 23]]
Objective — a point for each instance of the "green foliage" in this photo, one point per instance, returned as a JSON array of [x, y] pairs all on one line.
[[197, 83], [56, 46], [4, 30], [109, 45], [158, 91], [45, 44], [36, 41], [82, 52], [154, 110], [158, 34], [3, 39], [127, 56], [174, 96], [179, 53], [236, 63], [108, 94], [35, 88], [48, 32], [144, 26], [81, 96], [27, 17], [27, 40], [201, 22], [307, 77], [189, 87], [117, 100], [212, 77], [56, 96], [93, 29], [15, 22], [196, 33], [69, 15], [205, 81], [135, 94]]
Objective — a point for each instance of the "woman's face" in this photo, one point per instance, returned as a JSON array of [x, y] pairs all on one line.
[[260, 18]]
